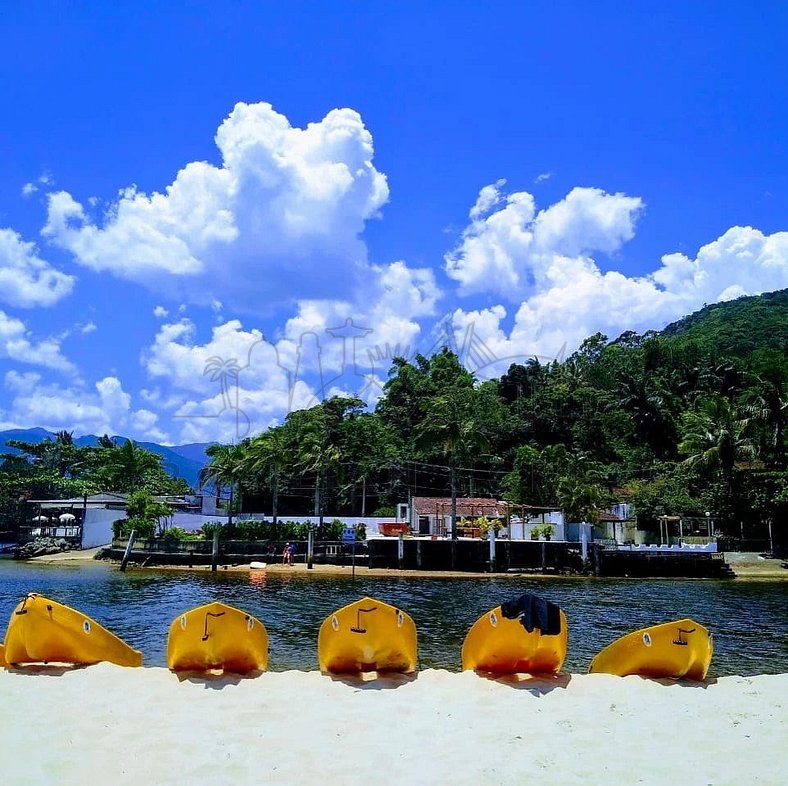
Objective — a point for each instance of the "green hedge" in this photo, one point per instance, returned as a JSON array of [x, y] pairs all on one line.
[[253, 529]]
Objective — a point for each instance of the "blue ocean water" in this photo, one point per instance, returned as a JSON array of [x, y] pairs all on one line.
[[749, 619]]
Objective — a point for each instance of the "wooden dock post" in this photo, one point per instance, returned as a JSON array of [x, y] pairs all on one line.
[[215, 550], [401, 551], [310, 548], [127, 553], [492, 549]]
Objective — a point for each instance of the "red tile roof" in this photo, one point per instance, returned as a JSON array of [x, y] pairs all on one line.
[[466, 506]]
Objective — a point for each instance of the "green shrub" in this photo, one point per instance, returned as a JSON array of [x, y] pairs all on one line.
[[174, 534]]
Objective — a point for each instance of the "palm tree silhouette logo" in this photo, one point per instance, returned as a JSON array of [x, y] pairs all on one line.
[[226, 373], [222, 371]]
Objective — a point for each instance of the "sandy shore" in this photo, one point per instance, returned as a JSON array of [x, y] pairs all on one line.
[[746, 566], [105, 724]]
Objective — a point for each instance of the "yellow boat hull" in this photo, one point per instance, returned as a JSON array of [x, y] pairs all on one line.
[[2, 656], [368, 635], [678, 650], [496, 644], [217, 637], [45, 631]]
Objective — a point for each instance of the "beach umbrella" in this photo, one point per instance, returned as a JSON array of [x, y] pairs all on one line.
[[40, 518], [67, 517]]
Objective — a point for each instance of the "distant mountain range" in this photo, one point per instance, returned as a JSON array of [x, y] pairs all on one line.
[[180, 461]]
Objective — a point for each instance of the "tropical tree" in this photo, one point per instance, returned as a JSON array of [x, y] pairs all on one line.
[[450, 427], [317, 452], [128, 466], [225, 470], [581, 499], [768, 403], [716, 434], [266, 459]]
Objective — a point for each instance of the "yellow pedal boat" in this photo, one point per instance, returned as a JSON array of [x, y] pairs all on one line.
[[217, 637], [524, 636], [368, 635], [2, 656], [44, 631], [680, 649]]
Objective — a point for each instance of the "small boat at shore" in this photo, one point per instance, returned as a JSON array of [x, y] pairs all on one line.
[[2, 656], [44, 631], [527, 635], [217, 637], [677, 650], [368, 635]]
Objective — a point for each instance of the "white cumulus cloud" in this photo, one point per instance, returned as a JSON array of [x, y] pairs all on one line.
[[16, 343], [562, 294], [279, 218], [27, 280], [240, 381], [510, 250], [106, 409]]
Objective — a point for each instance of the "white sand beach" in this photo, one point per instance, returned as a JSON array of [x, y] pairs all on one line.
[[109, 725]]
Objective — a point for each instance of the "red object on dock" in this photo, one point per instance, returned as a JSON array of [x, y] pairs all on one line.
[[393, 528]]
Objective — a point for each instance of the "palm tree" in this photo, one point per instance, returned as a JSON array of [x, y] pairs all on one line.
[[649, 403], [267, 457], [716, 436], [128, 465], [770, 406], [316, 453], [451, 426], [226, 468], [581, 499]]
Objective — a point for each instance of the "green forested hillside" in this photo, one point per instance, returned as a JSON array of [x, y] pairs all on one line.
[[738, 327], [684, 422]]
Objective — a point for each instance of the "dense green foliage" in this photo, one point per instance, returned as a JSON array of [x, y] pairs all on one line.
[[58, 469], [144, 516], [684, 422]]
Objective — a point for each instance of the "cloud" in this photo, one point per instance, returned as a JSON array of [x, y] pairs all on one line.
[[224, 388], [510, 250], [17, 344], [280, 218], [46, 179], [328, 347], [27, 280], [160, 312], [104, 410], [565, 297], [88, 327]]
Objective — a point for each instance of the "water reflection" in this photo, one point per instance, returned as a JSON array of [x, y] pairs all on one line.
[[749, 619]]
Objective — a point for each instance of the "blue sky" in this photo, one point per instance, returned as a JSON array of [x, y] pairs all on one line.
[[212, 186]]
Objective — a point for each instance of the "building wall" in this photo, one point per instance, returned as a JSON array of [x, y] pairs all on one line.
[[520, 530], [97, 526]]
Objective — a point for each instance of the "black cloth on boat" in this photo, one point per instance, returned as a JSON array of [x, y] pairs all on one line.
[[534, 612]]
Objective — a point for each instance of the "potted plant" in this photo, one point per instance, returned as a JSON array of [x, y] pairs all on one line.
[[548, 531]]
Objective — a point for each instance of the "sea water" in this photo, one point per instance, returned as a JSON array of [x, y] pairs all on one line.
[[749, 619]]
